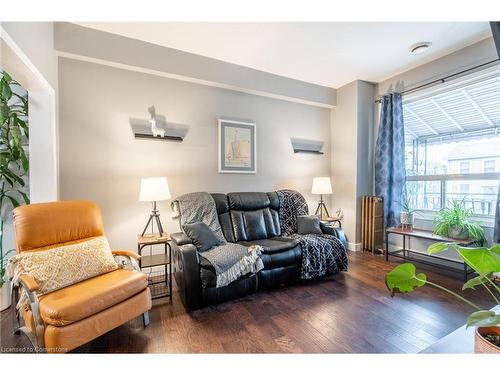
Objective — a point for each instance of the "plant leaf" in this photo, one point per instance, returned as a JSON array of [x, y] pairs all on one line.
[[24, 161], [437, 247], [13, 200], [403, 278], [483, 318], [482, 260], [5, 91], [475, 281], [495, 249], [25, 197], [6, 76]]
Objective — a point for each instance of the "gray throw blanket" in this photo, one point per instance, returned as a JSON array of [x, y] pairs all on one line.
[[322, 254], [229, 260]]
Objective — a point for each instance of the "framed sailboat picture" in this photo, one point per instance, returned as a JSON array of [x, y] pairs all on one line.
[[237, 147]]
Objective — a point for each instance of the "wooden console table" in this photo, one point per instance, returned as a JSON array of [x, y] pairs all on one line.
[[424, 258]]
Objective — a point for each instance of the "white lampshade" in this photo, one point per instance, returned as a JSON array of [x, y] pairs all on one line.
[[154, 189], [321, 185]]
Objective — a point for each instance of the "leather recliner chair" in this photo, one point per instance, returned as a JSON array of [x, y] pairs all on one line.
[[70, 317], [246, 218]]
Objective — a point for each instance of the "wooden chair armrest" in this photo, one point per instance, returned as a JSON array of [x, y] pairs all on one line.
[[127, 253], [29, 283]]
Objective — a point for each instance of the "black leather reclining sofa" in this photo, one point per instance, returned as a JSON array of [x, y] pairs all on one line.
[[246, 219]]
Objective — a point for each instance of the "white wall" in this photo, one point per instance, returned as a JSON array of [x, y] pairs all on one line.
[[27, 53], [101, 161], [36, 40], [30, 58]]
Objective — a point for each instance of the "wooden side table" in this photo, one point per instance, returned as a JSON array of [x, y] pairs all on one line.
[[331, 221], [160, 282]]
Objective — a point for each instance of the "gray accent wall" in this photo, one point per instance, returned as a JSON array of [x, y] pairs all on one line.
[[84, 42], [101, 161], [352, 155]]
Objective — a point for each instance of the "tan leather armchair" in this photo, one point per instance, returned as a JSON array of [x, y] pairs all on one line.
[[67, 318]]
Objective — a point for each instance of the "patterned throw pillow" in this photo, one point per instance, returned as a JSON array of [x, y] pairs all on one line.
[[65, 265]]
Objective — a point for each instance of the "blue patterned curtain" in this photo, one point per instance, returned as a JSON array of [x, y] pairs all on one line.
[[390, 171], [496, 230]]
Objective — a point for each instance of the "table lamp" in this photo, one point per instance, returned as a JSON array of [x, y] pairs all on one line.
[[321, 185], [154, 189]]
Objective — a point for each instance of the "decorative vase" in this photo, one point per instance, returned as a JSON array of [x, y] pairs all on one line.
[[458, 233], [481, 345], [406, 219], [5, 296]]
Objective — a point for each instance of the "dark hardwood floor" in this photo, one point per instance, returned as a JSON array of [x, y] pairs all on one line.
[[348, 313]]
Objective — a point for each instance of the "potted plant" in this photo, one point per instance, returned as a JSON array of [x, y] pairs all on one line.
[[455, 222], [14, 163], [485, 262], [406, 214]]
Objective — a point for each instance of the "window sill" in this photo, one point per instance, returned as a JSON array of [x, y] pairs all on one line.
[[486, 221]]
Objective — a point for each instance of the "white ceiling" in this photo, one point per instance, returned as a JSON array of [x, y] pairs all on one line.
[[330, 54]]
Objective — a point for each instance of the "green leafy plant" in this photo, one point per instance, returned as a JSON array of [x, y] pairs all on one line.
[[14, 164], [408, 198], [485, 261], [407, 204], [458, 217]]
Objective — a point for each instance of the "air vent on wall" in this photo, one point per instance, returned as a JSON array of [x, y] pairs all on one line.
[[307, 146]]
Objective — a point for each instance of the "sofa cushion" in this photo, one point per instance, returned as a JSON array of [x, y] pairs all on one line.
[[282, 259], [89, 297], [222, 206], [255, 225], [248, 201], [308, 224], [201, 235], [273, 245]]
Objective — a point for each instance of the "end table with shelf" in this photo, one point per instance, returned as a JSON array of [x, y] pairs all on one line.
[[160, 282], [422, 257], [331, 221]]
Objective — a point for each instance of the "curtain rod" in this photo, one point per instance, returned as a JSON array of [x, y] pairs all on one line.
[[442, 80]]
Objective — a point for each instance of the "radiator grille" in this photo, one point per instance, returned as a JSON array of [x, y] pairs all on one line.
[[372, 223]]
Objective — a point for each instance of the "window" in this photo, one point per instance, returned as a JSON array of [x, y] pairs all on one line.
[[452, 140], [464, 167], [489, 166], [464, 189]]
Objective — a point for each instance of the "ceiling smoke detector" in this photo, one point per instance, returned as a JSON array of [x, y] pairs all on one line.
[[419, 48]]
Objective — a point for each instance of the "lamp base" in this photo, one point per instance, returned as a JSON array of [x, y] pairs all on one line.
[[154, 216], [322, 208]]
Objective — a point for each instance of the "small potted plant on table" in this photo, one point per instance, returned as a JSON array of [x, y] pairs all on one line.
[[486, 262], [406, 214]]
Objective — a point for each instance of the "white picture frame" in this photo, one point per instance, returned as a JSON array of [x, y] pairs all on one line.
[[237, 146]]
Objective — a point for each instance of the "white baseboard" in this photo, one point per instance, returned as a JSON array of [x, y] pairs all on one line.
[[354, 246]]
